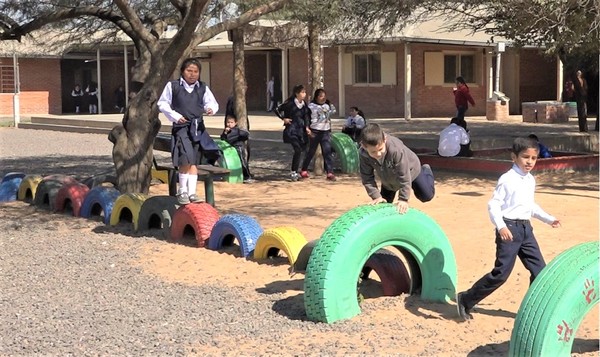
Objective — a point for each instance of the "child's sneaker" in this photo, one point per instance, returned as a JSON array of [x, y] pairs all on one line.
[[183, 198], [331, 177], [294, 176], [304, 174], [194, 198]]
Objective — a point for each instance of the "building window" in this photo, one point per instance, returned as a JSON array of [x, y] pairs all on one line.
[[459, 65], [7, 79], [367, 68]]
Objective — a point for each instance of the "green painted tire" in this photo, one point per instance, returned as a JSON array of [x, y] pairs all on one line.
[[230, 160], [556, 303], [346, 150], [337, 260]]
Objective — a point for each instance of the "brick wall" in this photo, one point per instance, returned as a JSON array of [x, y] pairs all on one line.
[[40, 88]]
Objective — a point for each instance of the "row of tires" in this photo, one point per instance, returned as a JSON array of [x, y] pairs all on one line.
[[350, 248], [201, 221]]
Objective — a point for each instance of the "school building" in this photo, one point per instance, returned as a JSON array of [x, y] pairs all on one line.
[[410, 74]]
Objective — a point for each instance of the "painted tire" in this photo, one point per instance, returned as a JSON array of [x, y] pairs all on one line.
[[99, 200], [9, 188], [72, 193], [157, 213], [345, 246], [347, 152], [101, 180], [28, 187], [303, 256], [201, 217], [230, 160], [392, 273], [127, 203], [160, 175], [12, 175], [240, 227], [45, 195], [288, 239], [556, 303]]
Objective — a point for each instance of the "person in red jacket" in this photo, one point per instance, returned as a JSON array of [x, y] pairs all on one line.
[[462, 98]]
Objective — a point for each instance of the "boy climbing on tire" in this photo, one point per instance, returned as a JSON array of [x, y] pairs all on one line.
[[510, 209], [398, 167]]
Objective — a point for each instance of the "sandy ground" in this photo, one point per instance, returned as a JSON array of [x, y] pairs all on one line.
[[460, 208]]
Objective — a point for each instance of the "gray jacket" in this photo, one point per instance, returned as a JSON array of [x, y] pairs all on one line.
[[399, 167]]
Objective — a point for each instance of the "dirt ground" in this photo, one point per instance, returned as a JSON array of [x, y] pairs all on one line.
[[459, 207]]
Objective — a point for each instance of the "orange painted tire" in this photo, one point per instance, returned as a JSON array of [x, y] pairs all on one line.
[[73, 194], [200, 217]]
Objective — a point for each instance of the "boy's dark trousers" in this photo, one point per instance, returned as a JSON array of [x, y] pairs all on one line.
[[423, 186], [524, 245]]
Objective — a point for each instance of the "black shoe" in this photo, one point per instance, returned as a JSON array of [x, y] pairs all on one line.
[[463, 312]]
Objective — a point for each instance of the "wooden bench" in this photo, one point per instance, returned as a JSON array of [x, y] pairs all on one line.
[[206, 173]]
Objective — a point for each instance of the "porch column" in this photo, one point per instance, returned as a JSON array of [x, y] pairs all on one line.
[[16, 101], [341, 86], [284, 74], [489, 64], [559, 77], [269, 60], [407, 82], [98, 66]]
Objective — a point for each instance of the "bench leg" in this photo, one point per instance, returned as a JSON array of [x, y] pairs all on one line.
[[173, 182], [209, 190]]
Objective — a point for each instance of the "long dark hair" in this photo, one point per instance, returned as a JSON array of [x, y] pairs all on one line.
[[318, 93]]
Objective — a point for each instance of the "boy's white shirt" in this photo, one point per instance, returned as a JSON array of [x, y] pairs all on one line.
[[513, 198], [359, 122]]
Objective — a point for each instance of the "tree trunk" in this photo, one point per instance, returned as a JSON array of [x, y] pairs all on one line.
[[133, 142], [239, 78], [315, 57]]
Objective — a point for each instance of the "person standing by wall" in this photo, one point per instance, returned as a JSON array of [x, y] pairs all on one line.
[[581, 92], [92, 92], [77, 94], [462, 98], [271, 94]]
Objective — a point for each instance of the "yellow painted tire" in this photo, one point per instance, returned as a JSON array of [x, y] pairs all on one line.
[[271, 241], [160, 175], [130, 201], [28, 187]]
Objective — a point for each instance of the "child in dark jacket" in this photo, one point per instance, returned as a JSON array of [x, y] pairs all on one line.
[[236, 137], [398, 167], [295, 114]]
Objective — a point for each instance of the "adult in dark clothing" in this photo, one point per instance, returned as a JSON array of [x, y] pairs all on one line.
[[296, 120], [183, 102], [581, 92], [238, 138]]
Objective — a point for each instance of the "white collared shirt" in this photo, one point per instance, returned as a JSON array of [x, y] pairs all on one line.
[[166, 98], [513, 198]]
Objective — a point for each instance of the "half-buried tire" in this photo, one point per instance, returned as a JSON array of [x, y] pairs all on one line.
[[28, 187], [12, 175], [243, 228], [347, 152], [71, 194], [230, 160], [303, 256], [556, 303], [157, 213], [337, 261], [392, 273], [273, 240], [99, 200], [200, 217], [10, 187], [127, 208], [45, 195]]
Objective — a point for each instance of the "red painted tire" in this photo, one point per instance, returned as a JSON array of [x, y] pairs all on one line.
[[200, 217], [394, 276], [73, 194]]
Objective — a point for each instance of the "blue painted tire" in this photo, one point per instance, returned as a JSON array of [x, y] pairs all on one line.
[[99, 197], [9, 189], [11, 175], [244, 229]]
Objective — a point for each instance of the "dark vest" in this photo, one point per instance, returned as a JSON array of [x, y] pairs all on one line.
[[190, 105]]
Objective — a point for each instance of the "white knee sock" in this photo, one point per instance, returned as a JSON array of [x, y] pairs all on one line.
[[192, 181], [183, 182]]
